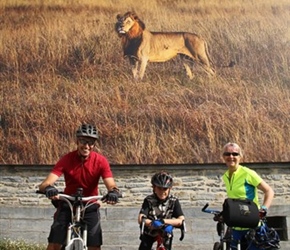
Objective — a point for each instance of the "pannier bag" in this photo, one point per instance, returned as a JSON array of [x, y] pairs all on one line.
[[240, 213], [263, 237]]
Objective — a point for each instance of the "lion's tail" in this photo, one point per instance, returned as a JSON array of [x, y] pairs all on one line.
[[230, 65]]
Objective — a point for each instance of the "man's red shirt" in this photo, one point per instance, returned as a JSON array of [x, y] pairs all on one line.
[[79, 173]]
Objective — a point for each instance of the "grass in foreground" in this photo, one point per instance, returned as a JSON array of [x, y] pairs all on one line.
[[6, 244]]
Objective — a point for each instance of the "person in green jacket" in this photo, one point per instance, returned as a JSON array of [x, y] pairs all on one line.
[[243, 183]]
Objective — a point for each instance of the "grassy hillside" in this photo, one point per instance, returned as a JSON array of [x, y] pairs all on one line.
[[61, 64]]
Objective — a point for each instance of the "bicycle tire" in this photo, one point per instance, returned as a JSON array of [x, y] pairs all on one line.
[[217, 246], [77, 244]]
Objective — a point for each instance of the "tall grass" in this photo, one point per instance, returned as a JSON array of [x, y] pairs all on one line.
[[61, 64]]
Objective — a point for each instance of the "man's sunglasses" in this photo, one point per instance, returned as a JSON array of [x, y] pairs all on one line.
[[85, 142], [231, 153]]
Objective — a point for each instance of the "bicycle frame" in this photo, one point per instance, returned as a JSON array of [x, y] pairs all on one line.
[[76, 238], [160, 242]]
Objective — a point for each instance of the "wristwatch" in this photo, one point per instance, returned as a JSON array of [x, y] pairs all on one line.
[[264, 208]]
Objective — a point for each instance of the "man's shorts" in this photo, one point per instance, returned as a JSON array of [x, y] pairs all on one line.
[[62, 219]]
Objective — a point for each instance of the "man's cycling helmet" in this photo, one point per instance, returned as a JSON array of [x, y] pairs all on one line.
[[264, 237], [162, 179], [87, 130]]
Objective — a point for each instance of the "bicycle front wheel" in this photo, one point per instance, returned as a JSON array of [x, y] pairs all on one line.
[[75, 244], [217, 246]]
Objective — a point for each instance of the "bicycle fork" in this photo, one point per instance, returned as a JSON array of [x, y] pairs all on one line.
[[76, 238], [75, 234], [159, 244], [238, 247]]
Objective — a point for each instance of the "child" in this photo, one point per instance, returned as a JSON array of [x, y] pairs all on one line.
[[160, 211]]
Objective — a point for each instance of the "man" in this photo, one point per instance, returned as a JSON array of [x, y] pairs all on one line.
[[81, 168]]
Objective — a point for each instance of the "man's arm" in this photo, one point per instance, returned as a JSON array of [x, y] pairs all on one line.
[[49, 181], [110, 183]]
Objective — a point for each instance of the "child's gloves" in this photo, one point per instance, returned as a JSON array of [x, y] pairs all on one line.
[[157, 223], [168, 229]]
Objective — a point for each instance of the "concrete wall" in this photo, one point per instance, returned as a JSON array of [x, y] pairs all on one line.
[[25, 215]]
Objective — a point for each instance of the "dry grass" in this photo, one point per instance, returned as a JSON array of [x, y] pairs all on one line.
[[61, 64]]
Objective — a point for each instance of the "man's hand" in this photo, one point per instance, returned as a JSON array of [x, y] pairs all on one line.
[[50, 191], [112, 196]]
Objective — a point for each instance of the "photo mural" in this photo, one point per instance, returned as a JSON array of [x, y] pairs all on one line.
[[164, 82]]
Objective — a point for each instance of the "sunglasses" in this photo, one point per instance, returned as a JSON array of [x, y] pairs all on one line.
[[231, 153], [85, 142]]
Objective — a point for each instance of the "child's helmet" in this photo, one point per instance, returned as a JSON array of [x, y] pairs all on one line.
[[87, 130], [162, 179]]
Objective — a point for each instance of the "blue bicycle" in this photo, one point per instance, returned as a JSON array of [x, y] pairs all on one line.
[[223, 232], [263, 237]]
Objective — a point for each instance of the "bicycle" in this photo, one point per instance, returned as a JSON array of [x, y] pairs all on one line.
[[163, 240], [262, 236], [76, 238], [223, 232]]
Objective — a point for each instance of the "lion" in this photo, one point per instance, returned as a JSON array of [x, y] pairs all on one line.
[[142, 46]]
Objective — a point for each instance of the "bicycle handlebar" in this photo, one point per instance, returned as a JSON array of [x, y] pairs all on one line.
[[216, 212], [210, 211], [182, 228], [78, 195], [73, 198], [205, 207]]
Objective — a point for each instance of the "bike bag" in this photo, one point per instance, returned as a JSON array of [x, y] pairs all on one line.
[[240, 213]]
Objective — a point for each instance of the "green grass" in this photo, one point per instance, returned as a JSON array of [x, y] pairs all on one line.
[[6, 244]]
